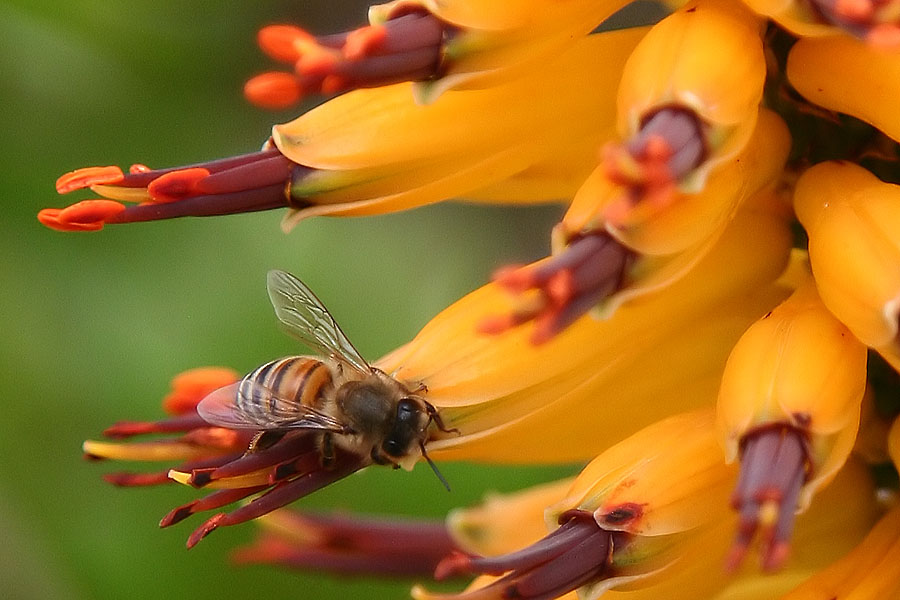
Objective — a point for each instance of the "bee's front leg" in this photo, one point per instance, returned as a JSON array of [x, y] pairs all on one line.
[[327, 450]]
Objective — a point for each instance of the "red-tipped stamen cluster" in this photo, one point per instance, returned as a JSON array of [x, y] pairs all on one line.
[[407, 47], [349, 545], [592, 267], [669, 145], [574, 555], [283, 468], [246, 183], [876, 21], [774, 466]]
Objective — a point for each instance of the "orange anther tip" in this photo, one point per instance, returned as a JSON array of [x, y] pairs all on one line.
[[363, 41], [657, 148], [274, 91], [190, 387], [138, 168], [49, 217], [561, 287], [854, 10], [176, 185], [333, 84], [282, 42], [83, 178], [495, 325], [514, 278], [88, 212], [885, 36], [317, 61]]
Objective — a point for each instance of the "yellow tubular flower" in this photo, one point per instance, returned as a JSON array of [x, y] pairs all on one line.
[[515, 402], [707, 58], [488, 41], [625, 517], [375, 151], [839, 519], [789, 404], [868, 83], [853, 222], [870, 572]]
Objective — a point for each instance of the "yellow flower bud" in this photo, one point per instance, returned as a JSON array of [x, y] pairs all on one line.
[[853, 222], [849, 76], [801, 367], [707, 57]]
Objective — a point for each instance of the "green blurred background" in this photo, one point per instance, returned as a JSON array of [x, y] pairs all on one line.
[[95, 325]]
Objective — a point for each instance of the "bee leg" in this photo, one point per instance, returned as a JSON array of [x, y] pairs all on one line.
[[435, 416], [421, 388], [327, 450], [263, 440]]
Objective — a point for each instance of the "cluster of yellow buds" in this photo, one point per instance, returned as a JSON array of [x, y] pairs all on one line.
[[708, 338]]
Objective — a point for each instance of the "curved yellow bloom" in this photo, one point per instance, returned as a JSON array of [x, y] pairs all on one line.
[[849, 76], [496, 38], [801, 367], [870, 572], [853, 222], [797, 16], [378, 151], [667, 478], [708, 57], [838, 521], [515, 402]]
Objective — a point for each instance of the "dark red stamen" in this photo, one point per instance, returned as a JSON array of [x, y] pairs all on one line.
[[875, 21], [178, 424], [217, 499], [578, 553], [774, 466], [407, 47], [591, 268], [281, 494], [351, 545]]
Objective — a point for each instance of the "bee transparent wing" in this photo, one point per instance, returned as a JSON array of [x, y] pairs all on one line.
[[306, 318], [249, 405]]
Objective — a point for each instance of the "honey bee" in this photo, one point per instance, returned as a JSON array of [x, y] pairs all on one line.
[[352, 406]]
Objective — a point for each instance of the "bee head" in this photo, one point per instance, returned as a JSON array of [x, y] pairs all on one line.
[[410, 420]]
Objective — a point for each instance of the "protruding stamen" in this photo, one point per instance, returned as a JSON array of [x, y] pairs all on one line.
[[774, 467], [88, 176], [591, 268], [349, 544], [577, 553], [407, 47], [280, 495], [669, 145], [247, 183], [876, 21]]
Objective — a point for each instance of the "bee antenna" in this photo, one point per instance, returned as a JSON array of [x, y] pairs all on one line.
[[434, 467]]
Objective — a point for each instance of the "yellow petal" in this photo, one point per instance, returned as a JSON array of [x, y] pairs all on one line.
[[671, 475], [853, 222], [708, 56], [849, 76], [798, 365], [504, 523], [870, 572]]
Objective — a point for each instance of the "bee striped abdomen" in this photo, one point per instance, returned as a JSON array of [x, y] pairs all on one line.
[[281, 387]]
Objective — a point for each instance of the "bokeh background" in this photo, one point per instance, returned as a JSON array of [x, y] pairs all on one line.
[[95, 325]]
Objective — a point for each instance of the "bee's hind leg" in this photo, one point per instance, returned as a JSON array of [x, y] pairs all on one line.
[[435, 416]]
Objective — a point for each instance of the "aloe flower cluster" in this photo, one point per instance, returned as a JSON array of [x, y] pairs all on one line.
[[708, 339]]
